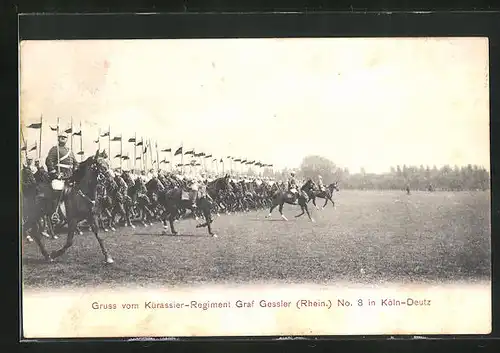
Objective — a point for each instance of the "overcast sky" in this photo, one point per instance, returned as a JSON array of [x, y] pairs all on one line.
[[367, 103]]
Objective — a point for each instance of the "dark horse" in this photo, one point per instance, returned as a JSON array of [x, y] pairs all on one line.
[[214, 190], [175, 202], [281, 196], [326, 194], [79, 201]]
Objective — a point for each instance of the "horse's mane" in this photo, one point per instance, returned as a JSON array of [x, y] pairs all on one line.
[[82, 168]]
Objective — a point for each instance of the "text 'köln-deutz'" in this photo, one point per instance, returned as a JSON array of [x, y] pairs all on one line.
[[264, 303]]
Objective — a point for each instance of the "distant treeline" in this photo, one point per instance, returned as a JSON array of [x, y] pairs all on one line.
[[470, 177]]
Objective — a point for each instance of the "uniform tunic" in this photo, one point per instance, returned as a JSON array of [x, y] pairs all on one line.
[[67, 161]]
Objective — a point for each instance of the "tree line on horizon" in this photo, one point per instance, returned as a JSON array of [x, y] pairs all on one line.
[[449, 178]]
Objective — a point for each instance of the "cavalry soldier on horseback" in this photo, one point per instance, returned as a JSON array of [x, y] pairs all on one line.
[[41, 175], [28, 185], [320, 183], [193, 187], [293, 187], [61, 163]]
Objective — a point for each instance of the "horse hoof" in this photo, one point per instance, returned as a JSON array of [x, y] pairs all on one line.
[[322, 208], [49, 259], [282, 216], [105, 230], [145, 225], [55, 237], [268, 216], [109, 260], [80, 233], [45, 234], [218, 214], [312, 220], [196, 218], [214, 235], [132, 226], [113, 229], [28, 238]]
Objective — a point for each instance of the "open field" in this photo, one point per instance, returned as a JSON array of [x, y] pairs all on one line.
[[370, 237]]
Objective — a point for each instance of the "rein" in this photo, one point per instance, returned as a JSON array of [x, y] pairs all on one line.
[[80, 192]]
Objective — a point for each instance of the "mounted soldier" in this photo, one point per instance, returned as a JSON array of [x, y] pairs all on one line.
[[41, 175], [293, 187], [193, 186], [61, 163], [320, 183], [28, 186]]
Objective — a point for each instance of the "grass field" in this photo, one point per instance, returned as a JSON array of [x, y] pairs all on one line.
[[370, 237]]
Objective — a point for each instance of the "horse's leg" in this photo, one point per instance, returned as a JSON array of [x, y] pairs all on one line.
[[123, 214], [314, 202], [164, 218], [148, 215], [302, 209], [35, 233], [273, 205], [128, 215], [281, 210], [326, 201], [69, 240], [50, 227], [333, 203], [112, 220], [171, 221], [93, 222], [142, 211], [208, 217], [307, 210]]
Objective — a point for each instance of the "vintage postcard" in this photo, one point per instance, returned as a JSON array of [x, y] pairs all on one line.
[[247, 187]]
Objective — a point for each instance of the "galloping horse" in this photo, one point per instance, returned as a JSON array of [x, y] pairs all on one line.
[[214, 189], [281, 196], [80, 205], [174, 204], [323, 194]]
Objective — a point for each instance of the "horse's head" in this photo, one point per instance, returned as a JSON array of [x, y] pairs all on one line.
[[94, 168], [334, 186]]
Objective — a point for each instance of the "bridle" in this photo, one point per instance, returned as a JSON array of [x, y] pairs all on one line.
[[101, 177]]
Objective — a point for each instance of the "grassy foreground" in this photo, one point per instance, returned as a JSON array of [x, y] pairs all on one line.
[[370, 237]]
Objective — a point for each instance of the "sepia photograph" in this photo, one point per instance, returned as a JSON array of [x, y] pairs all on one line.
[[264, 186]]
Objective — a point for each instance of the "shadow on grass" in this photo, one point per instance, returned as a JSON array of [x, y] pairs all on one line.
[[170, 235]]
